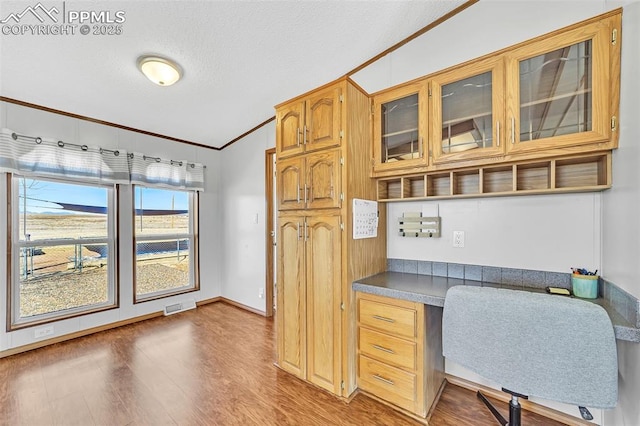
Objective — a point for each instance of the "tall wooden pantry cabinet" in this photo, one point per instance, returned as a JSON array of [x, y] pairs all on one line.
[[323, 142]]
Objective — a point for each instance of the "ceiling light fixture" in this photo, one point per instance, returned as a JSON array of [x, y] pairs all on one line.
[[162, 71]]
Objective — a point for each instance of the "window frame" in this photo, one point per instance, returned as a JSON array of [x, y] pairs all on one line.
[[194, 245], [14, 245]]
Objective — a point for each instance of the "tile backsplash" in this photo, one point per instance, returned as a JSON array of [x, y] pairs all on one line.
[[624, 303], [512, 276]]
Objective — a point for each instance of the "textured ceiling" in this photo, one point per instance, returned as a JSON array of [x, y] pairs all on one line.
[[240, 58]]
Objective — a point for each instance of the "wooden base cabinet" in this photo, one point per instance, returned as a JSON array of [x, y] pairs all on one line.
[[291, 298], [309, 298], [400, 351]]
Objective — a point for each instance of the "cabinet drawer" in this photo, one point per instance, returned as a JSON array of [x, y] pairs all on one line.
[[386, 348], [388, 318], [389, 383]]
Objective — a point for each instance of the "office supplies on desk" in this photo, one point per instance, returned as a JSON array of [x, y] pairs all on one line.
[[558, 290]]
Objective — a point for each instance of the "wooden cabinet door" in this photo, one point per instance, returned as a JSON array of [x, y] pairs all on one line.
[[399, 128], [323, 261], [467, 110], [291, 296], [289, 128], [322, 188], [559, 90], [291, 183], [323, 112]]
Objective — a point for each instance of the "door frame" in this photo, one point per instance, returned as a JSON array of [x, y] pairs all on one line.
[[270, 230]]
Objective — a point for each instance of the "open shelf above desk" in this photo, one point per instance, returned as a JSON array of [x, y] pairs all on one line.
[[564, 174]]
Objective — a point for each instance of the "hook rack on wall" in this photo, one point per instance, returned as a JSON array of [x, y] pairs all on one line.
[[413, 224]]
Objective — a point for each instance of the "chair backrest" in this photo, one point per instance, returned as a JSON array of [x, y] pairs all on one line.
[[542, 345]]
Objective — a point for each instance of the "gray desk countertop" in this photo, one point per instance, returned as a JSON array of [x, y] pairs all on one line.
[[431, 290]]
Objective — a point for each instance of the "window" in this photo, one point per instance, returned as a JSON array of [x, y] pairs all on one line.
[[63, 249], [166, 235]]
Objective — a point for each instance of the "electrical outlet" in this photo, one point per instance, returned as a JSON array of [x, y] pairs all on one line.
[[41, 332], [458, 238], [261, 293]]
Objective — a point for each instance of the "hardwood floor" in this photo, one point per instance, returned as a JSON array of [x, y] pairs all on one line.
[[209, 366]]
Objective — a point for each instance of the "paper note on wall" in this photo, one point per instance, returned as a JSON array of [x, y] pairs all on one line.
[[365, 219]]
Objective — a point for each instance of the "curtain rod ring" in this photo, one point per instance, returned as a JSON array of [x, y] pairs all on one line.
[[38, 140], [84, 148], [116, 152], [14, 135], [61, 144]]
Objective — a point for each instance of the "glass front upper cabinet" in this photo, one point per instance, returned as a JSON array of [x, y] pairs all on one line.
[[467, 107], [559, 90], [399, 117]]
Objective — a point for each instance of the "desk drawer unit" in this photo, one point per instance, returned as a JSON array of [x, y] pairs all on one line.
[[391, 338]]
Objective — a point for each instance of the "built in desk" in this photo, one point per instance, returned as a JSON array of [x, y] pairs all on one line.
[[431, 290]]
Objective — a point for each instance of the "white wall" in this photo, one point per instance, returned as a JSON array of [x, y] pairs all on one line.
[[548, 233], [621, 214], [622, 203], [485, 27], [40, 123], [242, 202]]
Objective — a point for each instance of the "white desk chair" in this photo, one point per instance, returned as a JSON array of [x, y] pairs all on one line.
[[532, 344]]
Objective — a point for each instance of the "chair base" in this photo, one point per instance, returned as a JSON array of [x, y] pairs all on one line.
[[515, 409]]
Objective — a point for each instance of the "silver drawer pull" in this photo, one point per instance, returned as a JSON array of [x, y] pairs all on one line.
[[385, 319], [383, 380], [383, 349]]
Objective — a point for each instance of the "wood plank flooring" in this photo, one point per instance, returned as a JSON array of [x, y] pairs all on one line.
[[209, 366]]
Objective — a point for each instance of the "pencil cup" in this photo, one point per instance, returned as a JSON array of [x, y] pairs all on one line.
[[585, 286]]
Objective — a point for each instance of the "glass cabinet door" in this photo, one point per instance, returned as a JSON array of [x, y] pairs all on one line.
[[467, 105], [556, 93], [398, 128], [559, 91]]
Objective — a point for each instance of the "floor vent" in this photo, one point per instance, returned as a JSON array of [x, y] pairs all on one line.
[[179, 307]]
